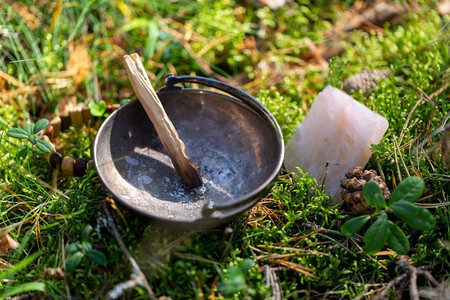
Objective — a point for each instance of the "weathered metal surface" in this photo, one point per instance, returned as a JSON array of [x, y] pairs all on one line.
[[238, 152]]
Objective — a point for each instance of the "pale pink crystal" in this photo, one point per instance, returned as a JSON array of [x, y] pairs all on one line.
[[339, 130]]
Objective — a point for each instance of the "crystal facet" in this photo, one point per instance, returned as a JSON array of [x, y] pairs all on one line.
[[337, 130]]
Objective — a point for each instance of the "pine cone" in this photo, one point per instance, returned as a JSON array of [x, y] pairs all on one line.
[[352, 189], [365, 80]]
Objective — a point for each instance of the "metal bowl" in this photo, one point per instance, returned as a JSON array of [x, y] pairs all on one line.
[[234, 141]]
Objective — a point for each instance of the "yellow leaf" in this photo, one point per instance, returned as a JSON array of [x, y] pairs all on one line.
[[79, 63], [125, 10], [56, 13]]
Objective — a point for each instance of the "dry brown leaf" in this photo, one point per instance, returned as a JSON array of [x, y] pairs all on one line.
[[24, 11], [79, 63], [4, 263], [10, 79], [7, 242], [298, 268]]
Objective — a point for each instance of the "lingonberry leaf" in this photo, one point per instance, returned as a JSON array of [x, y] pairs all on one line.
[[32, 138], [29, 128], [376, 235], [73, 247], [373, 195], [97, 257], [234, 282], [413, 215], [246, 265], [17, 133], [23, 151], [86, 232], [87, 247], [74, 260], [41, 124], [409, 190], [396, 239], [354, 225], [43, 147]]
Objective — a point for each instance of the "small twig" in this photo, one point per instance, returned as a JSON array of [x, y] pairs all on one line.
[[140, 277], [396, 144], [391, 283], [410, 276], [401, 289], [405, 125], [327, 167], [444, 127], [230, 238], [272, 280], [433, 205], [396, 162], [429, 276], [195, 257], [413, 292], [444, 147], [105, 285], [380, 170]]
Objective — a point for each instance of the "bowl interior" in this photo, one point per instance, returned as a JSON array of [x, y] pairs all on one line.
[[235, 149]]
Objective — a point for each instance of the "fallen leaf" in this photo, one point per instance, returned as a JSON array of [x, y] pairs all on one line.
[[7, 242], [79, 63], [29, 17]]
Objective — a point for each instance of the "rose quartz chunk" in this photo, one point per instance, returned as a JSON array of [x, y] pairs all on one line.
[[339, 130]]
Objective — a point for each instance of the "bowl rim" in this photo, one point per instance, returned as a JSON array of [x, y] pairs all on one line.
[[243, 202]]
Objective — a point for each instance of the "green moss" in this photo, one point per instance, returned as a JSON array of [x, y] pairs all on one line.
[[296, 213]]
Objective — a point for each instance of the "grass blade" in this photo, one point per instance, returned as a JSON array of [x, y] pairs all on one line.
[[26, 287], [21, 265]]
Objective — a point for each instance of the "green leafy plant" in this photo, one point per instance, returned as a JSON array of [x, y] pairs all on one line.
[[29, 132], [78, 250], [402, 205], [97, 109], [336, 72], [235, 280]]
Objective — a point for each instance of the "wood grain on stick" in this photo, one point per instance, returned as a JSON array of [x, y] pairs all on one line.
[[164, 127]]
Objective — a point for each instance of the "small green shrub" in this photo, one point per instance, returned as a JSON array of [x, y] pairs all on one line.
[[29, 132], [401, 204], [78, 250]]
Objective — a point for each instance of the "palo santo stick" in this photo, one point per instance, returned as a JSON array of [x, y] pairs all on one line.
[[164, 127]]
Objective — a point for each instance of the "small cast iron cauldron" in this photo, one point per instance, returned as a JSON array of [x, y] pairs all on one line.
[[234, 141]]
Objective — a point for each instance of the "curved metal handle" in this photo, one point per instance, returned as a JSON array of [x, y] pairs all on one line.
[[170, 80]]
